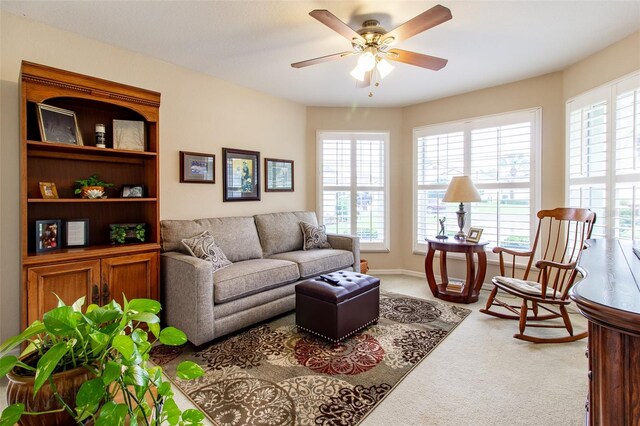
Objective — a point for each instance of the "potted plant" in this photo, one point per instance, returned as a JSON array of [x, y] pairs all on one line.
[[91, 187], [104, 352]]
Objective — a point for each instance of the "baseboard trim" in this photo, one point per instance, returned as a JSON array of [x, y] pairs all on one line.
[[488, 286]]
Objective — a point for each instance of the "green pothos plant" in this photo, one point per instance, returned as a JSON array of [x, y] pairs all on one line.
[[109, 342]]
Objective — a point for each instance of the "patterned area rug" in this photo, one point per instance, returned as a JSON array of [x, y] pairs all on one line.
[[272, 374]]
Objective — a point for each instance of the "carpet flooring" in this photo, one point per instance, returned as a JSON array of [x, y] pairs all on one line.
[[273, 374]]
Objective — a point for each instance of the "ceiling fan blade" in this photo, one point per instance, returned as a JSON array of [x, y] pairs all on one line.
[[417, 59], [331, 21], [366, 82], [321, 59], [429, 19]]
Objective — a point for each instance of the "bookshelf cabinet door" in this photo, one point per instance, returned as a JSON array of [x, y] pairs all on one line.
[[69, 281], [136, 276]]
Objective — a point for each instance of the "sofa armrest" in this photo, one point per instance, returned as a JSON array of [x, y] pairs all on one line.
[[347, 242], [187, 295]]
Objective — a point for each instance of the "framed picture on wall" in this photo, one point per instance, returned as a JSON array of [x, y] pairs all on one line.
[[196, 167], [240, 173], [278, 175]]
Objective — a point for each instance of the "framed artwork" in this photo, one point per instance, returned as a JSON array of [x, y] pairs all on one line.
[[132, 191], [48, 190], [240, 173], [474, 235], [76, 233], [278, 175], [58, 125], [129, 135], [196, 167], [123, 233], [47, 235]]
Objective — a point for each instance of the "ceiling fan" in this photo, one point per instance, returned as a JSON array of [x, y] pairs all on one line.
[[373, 44]]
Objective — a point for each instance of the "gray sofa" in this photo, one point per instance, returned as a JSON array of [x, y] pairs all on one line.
[[268, 261]]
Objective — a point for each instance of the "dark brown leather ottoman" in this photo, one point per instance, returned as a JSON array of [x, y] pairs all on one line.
[[337, 311]]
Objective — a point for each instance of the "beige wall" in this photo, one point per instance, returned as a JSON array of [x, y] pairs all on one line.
[[197, 113], [617, 60], [383, 119]]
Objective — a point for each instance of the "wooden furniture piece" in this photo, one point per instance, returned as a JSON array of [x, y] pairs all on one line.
[[558, 244], [100, 270], [609, 297], [473, 282]]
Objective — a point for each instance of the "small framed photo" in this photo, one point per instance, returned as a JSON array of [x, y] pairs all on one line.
[[196, 167], [76, 232], [474, 235], [48, 190], [240, 173], [129, 135], [132, 191], [58, 125], [47, 235], [278, 175]]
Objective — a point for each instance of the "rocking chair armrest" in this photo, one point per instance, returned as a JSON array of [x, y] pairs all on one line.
[[542, 264], [499, 250]]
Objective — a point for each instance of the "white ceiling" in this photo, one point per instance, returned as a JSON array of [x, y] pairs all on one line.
[[253, 43]]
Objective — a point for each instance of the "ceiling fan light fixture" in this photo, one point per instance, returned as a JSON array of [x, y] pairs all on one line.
[[367, 61], [358, 73], [384, 68]]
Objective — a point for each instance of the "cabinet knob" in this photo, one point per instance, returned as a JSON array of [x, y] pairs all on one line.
[[590, 375], [586, 353], [95, 295]]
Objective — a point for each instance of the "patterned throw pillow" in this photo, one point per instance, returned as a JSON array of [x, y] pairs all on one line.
[[314, 236], [204, 247]]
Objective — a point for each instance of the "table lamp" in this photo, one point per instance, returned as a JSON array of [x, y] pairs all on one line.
[[461, 190]]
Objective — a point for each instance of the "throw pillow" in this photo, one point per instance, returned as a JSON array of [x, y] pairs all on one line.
[[204, 247], [314, 236]]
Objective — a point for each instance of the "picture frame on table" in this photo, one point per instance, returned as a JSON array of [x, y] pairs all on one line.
[[58, 125], [240, 173], [197, 167], [132, 191], [76, 233], [47, 235], [474, 235], [48, 190], [278, 175]]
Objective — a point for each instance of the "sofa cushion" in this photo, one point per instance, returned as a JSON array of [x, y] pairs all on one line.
[[314, 237], [280, 232], [252, 276], [236, 236], [312, 263], [172, 232], [204, 247]]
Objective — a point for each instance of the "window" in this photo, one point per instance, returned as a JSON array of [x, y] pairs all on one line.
[[352, 186], [501, 155], [603, 165]]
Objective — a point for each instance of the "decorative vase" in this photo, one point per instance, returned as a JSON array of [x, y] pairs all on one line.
[[20, 390], [92, 191]]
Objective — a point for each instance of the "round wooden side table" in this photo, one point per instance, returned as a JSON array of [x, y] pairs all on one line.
[[473, 282]]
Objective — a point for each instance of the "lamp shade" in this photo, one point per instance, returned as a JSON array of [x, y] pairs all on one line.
[[461, 190]]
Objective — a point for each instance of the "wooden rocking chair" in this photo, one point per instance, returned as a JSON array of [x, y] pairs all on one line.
[[559, 241]]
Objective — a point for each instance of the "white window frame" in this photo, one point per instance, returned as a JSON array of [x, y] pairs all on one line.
[[607, 92], [467, 126], [384, 135]]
